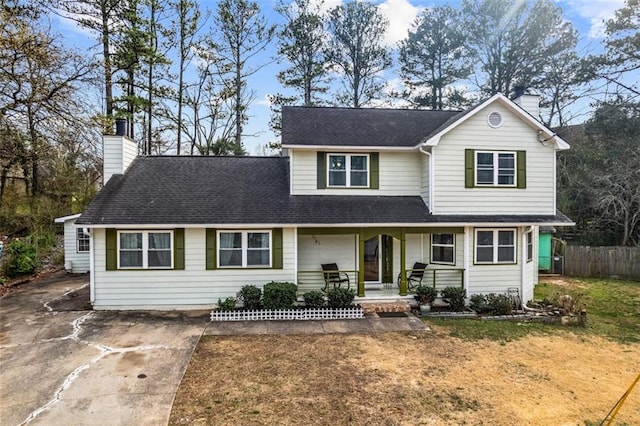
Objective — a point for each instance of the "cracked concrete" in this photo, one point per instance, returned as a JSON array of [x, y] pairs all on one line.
[[61, 363]]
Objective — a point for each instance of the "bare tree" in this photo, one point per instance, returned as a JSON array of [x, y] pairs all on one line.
[[243, 34], [38, 83], [186, 24]]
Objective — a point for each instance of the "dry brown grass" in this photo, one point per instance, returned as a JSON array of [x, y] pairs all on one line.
[[406, 379]]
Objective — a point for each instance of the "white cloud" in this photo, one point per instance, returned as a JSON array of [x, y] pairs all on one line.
[[401, 15], [264, 102], [327, 5], [594, 11]]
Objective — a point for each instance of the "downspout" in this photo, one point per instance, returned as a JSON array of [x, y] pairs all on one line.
[[430, 177], [92, 269], [523, 259]]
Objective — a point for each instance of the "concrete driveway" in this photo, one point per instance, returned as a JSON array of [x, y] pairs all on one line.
[[61, 363]]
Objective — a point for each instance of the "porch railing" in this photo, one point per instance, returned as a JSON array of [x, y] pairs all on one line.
[[438, 278], [314, 280]]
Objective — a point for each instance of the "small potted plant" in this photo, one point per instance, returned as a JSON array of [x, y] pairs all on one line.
[[425, 295]]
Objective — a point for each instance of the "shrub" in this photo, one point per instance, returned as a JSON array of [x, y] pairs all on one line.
[[226, 305], [425, 294], [279, 295], [314, 299], [478, 302], [571, 303], [21, 259], [455, 296], [498, 304], [340, 297], [250, 296]]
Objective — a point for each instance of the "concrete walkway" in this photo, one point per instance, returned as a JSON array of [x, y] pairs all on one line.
[[371, 324], [63, 364]]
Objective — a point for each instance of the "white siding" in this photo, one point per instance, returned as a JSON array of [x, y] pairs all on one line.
[[119, 152], [194, 287], [530, 278], [400, 174], [497, 278], [79, 261], [425, 182], [314, 250], [450, 194]]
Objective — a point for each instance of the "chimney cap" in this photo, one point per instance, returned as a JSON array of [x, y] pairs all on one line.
[[519, 91], [121, 127]]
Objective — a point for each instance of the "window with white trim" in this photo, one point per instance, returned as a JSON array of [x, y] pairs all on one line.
[[495, 246], [443, 248], [244, 249], [348, 170], [82, 241], [495, 168], [145, 249], [529, 246]]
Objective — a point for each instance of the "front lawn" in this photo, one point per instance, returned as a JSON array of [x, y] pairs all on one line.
[[613, 306], [461, 372]]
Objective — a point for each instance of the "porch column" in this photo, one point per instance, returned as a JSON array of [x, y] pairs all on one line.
[[403, 263], [361, 263]]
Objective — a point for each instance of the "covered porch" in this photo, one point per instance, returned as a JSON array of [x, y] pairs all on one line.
[[379, 261]]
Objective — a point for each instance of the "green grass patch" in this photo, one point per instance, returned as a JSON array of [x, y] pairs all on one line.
[[613, 308], [501, 331]]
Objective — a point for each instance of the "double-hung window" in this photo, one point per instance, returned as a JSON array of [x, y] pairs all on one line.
[[443, 249], [495, 246], [145, 249], [244, 249], [529, 246], [82, 241], [348, 170], [495, 168]]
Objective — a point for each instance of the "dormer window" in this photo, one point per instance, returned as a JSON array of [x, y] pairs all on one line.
[[348, 170]]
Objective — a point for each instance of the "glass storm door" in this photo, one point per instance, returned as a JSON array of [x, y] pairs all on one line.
[[372, 259]]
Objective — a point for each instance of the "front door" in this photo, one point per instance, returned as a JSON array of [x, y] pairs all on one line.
[[372, 259]]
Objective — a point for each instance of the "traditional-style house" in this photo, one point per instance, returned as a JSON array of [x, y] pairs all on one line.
[[372, 190]]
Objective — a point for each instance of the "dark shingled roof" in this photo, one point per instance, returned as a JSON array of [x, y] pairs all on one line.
[[321, 126], [233, 190], [170, 190]]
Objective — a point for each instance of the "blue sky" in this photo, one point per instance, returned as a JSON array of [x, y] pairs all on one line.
[[586, 15]]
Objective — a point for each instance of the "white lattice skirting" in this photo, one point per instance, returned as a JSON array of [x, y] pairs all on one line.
[[290, 314]]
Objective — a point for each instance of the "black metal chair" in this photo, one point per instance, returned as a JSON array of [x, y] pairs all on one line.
[[415, 278], [333, 276]]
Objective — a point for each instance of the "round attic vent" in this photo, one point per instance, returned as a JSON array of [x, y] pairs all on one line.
[[495, 119]]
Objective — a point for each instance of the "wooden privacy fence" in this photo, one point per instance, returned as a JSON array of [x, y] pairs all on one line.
[[602, 262]]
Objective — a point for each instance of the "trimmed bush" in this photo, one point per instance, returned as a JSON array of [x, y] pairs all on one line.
[[340, 297], [279, 295], [456, 297], [425, 294], [498, 304], [226, 305], [478, 302], [250, 296], [314, 299], [21, 259]]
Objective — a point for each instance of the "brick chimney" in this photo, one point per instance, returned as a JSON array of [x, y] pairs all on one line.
[[119, 150], [527, 101]]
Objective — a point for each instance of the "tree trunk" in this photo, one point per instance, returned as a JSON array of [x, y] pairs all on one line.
[[106, 52]]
